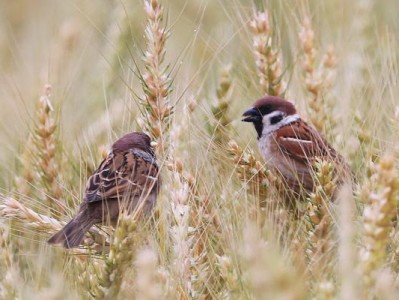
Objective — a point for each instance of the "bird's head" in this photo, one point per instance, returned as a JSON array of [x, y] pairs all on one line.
[[270, 113], [138, 140]]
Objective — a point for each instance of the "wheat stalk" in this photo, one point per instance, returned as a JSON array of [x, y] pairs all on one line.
[[10, 273], [319, 76], [46, 144], [15, 210], [229, 274], [219, 125], [156, 78], [250, 170], [267, 58], [28, 174], [190, 263], [320, 231], [380, 194], [120, 257]]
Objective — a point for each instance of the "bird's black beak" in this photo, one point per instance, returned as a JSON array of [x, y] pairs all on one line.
[[252, 115]]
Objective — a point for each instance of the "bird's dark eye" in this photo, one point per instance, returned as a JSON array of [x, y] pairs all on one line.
[[276, 119]]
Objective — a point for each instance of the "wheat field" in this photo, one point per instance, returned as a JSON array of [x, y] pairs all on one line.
[[77, 75]]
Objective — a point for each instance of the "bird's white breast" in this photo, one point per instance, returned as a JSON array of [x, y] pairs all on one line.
[[269, 156]]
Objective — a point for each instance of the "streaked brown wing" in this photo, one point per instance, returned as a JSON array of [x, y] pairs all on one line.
[[131, 173], [302, 143]]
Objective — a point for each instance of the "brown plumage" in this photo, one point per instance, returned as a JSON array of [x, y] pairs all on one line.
[[127, 178], [289, 145]]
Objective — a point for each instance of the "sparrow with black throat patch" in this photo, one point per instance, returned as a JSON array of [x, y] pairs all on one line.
[[128, 178], [290, 146]]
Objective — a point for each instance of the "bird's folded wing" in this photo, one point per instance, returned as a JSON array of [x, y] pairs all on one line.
[[301, 143], [127, 174]]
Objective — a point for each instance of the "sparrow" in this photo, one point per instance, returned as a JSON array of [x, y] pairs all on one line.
[[289, 145], [128, 178]]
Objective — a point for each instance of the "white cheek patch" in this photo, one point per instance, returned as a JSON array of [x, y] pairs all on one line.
[[269, 128], [267, 118]]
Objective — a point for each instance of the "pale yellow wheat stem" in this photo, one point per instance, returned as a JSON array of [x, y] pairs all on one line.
[[219, 125], [347, 261], [27, 175], [9, 276]]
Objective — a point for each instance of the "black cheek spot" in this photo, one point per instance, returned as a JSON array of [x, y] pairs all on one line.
[[276, 119]]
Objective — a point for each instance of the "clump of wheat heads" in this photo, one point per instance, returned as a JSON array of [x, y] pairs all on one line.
[[156, 84], [46, 144], [188, 233], [188, 266], [320, 228], [158, 109], [271, 199], [380, 194], [120, 257], [15, 210], [251, 171], [229, 273], [267, 57]]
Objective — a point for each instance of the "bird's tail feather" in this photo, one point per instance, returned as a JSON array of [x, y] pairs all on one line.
[[72, 234]]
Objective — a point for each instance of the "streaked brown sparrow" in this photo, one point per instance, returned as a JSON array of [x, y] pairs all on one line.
[[289, 145], [126, 179]]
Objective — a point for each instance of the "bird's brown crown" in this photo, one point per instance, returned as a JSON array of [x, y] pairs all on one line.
[[131, 140], [269, 104]]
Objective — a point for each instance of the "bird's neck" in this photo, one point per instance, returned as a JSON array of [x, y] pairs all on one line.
[[289, 119]]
